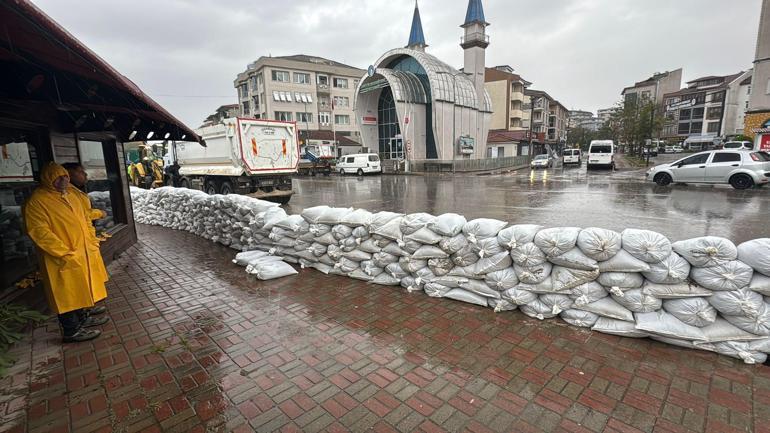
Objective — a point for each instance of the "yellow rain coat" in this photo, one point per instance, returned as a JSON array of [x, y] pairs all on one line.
[[99, 291], [57, 223]]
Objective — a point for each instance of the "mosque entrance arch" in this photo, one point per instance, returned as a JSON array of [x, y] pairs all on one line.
[[390, 144]]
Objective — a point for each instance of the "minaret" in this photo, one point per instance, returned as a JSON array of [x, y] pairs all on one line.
[[760, 82], [416, 36], [474, 43]]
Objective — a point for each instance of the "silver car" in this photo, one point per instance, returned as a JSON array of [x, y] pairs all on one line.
[[739, 168]]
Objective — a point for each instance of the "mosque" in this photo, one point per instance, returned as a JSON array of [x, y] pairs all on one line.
[[417, 111]]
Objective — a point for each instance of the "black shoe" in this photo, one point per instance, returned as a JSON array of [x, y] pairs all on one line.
[[94, 321], [95, 311], [82, 335]]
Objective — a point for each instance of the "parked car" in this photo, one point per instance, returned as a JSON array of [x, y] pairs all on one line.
[[541, 161], [572, 156], [359, 163], [740, 169], [743, 145], [652, 151], [668, 149], [678, 149], [601, 153]]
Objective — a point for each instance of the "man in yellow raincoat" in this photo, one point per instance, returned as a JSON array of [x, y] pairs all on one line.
[[57, 224]]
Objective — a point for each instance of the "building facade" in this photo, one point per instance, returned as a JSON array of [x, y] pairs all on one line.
[[578, 117], [736, 105], [221, 113], [417, 109], [506, 91], [316, 93], [758, 114], [697, 112], [605, 114], [654, 88]]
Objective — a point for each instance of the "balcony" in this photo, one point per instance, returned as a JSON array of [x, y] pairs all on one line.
[[517, 114], [517, 96], [475, 39], [323, 88]]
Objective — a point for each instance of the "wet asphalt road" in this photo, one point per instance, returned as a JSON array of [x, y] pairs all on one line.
[[555, 197]]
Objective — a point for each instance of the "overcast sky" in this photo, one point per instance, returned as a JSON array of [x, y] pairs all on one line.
[[186, 53]]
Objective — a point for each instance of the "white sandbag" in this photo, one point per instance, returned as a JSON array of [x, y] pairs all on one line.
[[357, 218], [607, 307], [466, 296], [663, 324], [722, 330], [637, 301], [326, 260], [254, 264], [680, 342], [557, 240], [623, 280], [499, 305], [370, 246], [528, 255], [756, 253], [415, 221], [518, 235], [396, 271], [740, 350], [335, 252], [743, 302], [732, 275], [411, 284], [371, 269], [480, 288], [623, 261], [393, 249], [412, 265], [435, 290], [453, 244], [706, 251], [599, 244], [242, 259], [465, 257], [760, 284], [319, 229], [449, 281], [341, 231], [359, 274], [390, 230], [675, 291], [502, 280], [759, 325], [274, 269], [537, 310], [293, 223], [534, 274], [424, 274], [360, 234], [518, 296], [424, 236], [410, 247], [317, 249], [357, 255], [565, 279], [385, 279], [692, 311], [320, 267], [541, 288], [327, 239], [580, 318], [493, 263], [383, 259], [671, 270], [482, 228], [346, 265], [440, 266], [333, 215], [290, 259], [621, 328], [488, 247], [448, 224], [557, 302], [587, 293], [313, 214], [379, 219], [429, 252], [575, 259], [271, 217], [645, 245]]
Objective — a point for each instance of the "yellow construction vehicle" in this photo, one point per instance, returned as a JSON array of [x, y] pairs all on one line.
[[147, 172]]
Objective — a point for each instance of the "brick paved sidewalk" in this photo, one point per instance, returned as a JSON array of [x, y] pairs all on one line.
[[196, 345]]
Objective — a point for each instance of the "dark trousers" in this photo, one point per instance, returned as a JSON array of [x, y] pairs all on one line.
[[71, 321]]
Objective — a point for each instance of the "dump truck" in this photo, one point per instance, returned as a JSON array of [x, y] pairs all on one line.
[[316, 159], [241, 156]]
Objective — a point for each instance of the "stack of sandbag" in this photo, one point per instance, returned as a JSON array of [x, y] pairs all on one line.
[[16, 244], [263, 265], [702, 293], [101, 200]]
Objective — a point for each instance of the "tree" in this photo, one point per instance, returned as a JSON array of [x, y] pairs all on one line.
[[580, 137], [636, 121]]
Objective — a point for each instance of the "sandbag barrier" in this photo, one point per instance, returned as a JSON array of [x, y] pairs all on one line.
[[703, 293]]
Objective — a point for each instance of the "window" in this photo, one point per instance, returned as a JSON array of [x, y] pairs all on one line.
[[714, 113], [322, 80], [700, 158], [717, 97], [713, 127], [685, 114], [253, 82], [304, 117], [243, 90], [245, 108], [255, 101], [341, 83], [684, 128], [748, 91], [283, 115], [727, 157], [350, 160], [767, 88], [500, 151], [282, 76], [697, 113], [341, 101], [301, 78], [696, 127], [746, 107], [276, 96], [323, 118], [374, 158], [341, 119]]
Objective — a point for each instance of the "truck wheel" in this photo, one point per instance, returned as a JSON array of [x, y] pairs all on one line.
[[184, 183], [360, 172], [210, 187], [283, 200], [227, 188]]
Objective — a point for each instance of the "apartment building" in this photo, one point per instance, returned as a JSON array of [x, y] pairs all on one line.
[[506, 90], [654, 88], [316, 93], [578, 117], [551, 117], [605, 114], [697, 112], [223, 112], [736, 105]]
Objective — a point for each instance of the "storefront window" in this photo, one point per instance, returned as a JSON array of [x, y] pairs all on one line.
[[101, 188]]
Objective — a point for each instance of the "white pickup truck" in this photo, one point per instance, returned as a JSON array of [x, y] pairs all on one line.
[[244, 156]]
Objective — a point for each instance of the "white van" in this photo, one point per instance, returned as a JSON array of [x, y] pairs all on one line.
[[359, 163], [601, 153], [571, 156]]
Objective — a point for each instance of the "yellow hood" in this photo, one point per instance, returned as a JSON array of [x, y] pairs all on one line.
[[50, 173]]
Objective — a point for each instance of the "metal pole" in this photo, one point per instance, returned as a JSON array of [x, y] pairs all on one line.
[[531, 124], [454, 116]]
